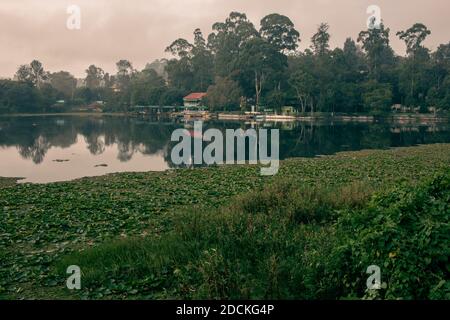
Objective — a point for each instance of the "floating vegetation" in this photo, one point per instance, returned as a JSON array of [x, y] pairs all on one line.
[[43, 223]]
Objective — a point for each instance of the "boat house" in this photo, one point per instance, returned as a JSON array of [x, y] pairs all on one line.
[[194, 100]]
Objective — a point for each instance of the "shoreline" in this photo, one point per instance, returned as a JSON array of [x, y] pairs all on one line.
[[401, 118], [5, 181], [234, 117]]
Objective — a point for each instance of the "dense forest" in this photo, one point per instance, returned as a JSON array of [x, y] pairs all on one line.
[[240, 66]]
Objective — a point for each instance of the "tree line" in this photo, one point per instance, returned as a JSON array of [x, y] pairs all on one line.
[[240, 66]]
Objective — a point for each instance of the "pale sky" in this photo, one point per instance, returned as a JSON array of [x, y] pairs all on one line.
[[139, 30]]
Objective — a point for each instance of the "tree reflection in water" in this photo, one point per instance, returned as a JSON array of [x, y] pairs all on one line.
[[34, 136]]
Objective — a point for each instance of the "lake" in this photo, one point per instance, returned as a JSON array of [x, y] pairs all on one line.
[[44, 149]]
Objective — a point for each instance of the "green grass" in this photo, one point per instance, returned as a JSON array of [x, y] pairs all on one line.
[[223, 232], [7, 181]]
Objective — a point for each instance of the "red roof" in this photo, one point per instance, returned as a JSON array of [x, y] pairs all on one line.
[[195, 96]]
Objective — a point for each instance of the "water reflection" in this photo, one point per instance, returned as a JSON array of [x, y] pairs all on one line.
[[56, 148]]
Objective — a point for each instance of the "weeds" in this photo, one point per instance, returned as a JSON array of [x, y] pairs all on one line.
[[225, 232]]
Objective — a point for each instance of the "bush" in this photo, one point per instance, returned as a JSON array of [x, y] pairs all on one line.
[[287, 242], [407, 234]]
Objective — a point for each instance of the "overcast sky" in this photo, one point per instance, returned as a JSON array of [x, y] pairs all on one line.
[[139, 30]]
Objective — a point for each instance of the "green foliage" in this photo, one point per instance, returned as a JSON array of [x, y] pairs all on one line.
[[64, 83], [414, 37], [275, 99], [380, 56], [377, 97], [193, 70], [405, 231], [280, 32], [227, 39], [320, 40], [363, 77], [414, 71], [303, 84], [18, 97], [180, 74], [33, 73], [84, 95], [224, 95], [287, 241], [261, 66], [172, 97], [223, 232], [94, 76], [147, 88], [440, 97]]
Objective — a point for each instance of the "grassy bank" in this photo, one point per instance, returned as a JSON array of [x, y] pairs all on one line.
[[227, 232]]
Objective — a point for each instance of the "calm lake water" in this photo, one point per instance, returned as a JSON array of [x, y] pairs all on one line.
[[59, 148]]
